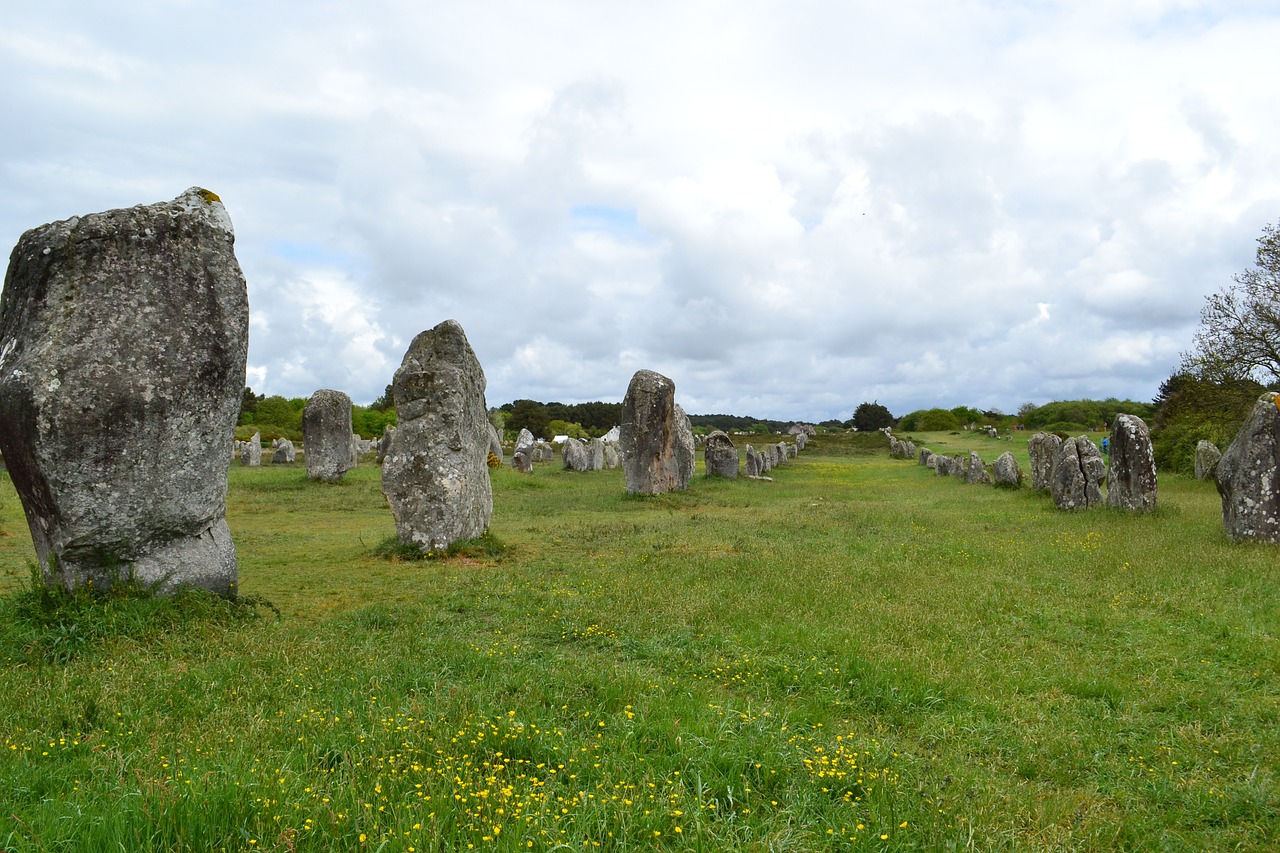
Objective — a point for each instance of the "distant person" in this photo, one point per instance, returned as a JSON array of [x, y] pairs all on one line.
[[1106, 447]]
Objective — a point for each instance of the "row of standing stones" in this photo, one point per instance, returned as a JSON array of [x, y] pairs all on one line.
[[123, 342], [1073, 471], [654, 445], [123, 346]]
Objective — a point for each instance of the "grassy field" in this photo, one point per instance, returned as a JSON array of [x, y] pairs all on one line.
[[859, 655]]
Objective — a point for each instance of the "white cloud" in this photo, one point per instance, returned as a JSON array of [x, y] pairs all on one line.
[[788, 210]]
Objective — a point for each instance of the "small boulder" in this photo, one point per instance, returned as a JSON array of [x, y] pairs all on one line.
[[1131, 475], [1248, 476], [720, 456], [1005, 472], [1043, 448], [1207, 457], [326, 436], [1078, 474]]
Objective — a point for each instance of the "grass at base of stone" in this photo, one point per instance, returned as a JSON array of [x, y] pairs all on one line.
[[858, 655]]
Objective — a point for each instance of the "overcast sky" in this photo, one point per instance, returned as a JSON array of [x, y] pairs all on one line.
[[787, 208]]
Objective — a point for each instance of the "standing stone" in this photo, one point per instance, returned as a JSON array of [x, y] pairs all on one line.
[[123, 338], [575, 455], [495, 442], [522, 460], [656, 438], [801, 440], [595, 454], [612, 459], [1131, 475], [976, 473], [1248, 476], [251, 454], [1006, 473], [384, 443], [1078, 474], [1043, 448], [524, 439], [751, 467], [326, 436], [1207, 458], [720, 456], [284, 451], [436, 477], [925, 454]]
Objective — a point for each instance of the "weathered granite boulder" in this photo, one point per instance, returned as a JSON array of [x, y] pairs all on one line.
[[326, 436], [384, 443], [924, 456], [251, 454], [751, 462], [720, 456], [1078, 474], [976, 472], [595, 454], [656, 437], [1131, 475], [1005, 472], [801, 440], [799, 429], [436, 476], [1043, 448], [495, 442], [123, 338], [524, 439], [1207, 457], [1248, 476], [543, 452], [522, 459], [284, 451], [575, 456], [684, 448]]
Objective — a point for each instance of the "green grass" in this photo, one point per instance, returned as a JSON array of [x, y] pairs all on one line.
[[859, 655]]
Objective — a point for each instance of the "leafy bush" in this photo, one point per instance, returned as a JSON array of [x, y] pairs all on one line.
[[929, 420]]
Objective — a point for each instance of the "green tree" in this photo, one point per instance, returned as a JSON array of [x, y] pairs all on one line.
[[276, 411], [559, 427], [929, 420], [530, 415], [869, 416], [1239, 334], [1191, 410], [248, 406]]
